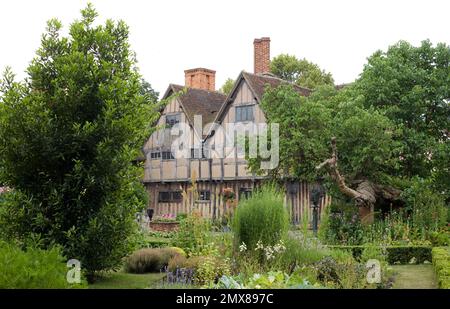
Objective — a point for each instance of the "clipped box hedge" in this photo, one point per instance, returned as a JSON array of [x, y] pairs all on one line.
[[441, 263], [395, 254]]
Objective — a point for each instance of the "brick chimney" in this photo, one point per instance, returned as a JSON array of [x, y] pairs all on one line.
[[262, 55], [200, 78]]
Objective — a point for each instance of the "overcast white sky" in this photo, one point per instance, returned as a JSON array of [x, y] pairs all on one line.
[[171, 36]]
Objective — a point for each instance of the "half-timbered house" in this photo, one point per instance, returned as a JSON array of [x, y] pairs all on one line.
[[196, 177]]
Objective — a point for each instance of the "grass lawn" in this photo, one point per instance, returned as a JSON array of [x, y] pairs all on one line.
[[122, 280], [414, 277]]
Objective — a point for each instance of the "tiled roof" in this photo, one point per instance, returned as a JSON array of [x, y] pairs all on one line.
[[258, 82], [200, 102]]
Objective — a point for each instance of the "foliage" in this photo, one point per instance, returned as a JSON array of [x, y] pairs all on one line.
[[440, 238], [347, 274], [227, 86], [269, 280], [262, 218], [149, 259], [306, 125], [441, 263], [207, 267], [68, 137], [423, 217], [300, 71], [193, 234], [146, 90], [343, 225], [427, 207], [392, 254], [33, 268], [302, 250], [411, 85]]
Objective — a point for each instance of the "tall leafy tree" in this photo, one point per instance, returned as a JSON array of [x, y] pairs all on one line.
[[227, 86], [147, 90], [68, 135], [363, 138], [411, 85], [300, 71]]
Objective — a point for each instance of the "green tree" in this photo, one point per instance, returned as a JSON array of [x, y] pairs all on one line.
[[411, 85], [300, 71], [227, 86], [146, 90], [364, 138], [68, 135]]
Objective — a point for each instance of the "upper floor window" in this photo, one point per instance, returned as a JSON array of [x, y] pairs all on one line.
[[167, 155], [244, 113], [155, 154], [172, 120]]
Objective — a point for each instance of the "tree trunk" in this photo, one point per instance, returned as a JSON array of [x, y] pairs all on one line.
[[365, 194]]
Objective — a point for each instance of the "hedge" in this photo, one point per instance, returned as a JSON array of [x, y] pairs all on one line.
[[441, 263], [395, 254]]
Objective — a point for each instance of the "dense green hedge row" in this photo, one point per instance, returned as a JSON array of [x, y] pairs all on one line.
[[33, 268], [441, 262], [396, 254]]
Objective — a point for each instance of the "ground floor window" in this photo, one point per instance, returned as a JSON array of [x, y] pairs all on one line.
[[169, 196], [204, 195], [245, 193]]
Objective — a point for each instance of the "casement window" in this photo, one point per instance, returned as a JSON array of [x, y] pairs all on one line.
[[155, 154], [167, 155], [245, 193], [244, 113], [195, 153], [204, 195], [172, 120], [169, 196]]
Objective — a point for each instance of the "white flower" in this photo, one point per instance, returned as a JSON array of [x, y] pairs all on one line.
[[242, 247], [269, 252], [259, 245]]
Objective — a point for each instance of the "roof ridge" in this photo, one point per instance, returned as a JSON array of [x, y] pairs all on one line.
[[273, 76]]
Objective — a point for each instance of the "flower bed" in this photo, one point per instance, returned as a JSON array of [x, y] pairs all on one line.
[[164, 223]]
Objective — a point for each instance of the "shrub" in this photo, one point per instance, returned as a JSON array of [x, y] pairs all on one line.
[[346, 273], [193, 233], [428, 210], [342, 225], [32, 268], [440, 238], [441, 263], [79, 189], [181, 216], [394, 254], [177, 261], [299, 252], [149, 260], [263, 217]]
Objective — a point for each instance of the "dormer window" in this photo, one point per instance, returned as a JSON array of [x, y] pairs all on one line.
[[172, 120], [244, 113]]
